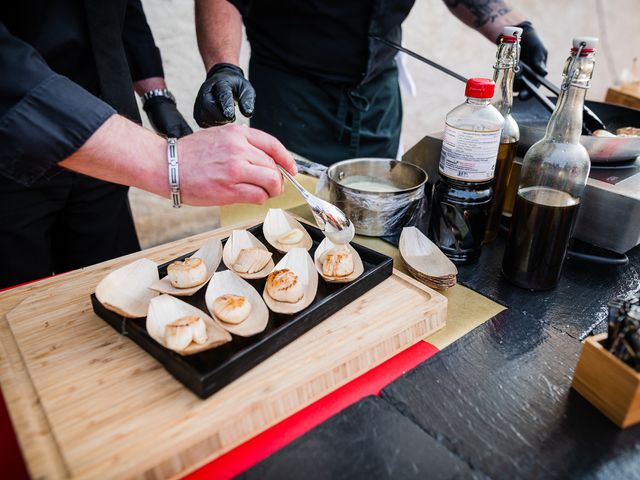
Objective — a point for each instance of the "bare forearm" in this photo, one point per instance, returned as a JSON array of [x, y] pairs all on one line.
[[122, 152], [218, 166], [143, 86], [219, 31], [487, 16]]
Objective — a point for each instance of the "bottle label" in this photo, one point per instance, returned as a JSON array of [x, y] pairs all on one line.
[[468, 155]]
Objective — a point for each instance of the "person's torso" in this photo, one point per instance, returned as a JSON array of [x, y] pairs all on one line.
[[328, 40], [59, 32]]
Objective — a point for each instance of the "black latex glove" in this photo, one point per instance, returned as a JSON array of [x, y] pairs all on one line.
[[534, 54], [165, 117], [215, 103]]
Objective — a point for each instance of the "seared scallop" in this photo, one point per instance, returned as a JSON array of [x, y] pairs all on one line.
[[179, 334], [338, 262], [232, 309], [251, 260], [188, 273], [284, 286]]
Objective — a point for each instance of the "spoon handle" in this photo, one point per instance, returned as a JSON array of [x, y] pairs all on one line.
[[317, 212], [295, 183]]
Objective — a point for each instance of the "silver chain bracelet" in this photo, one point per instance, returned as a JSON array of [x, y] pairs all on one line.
[[174, 177]]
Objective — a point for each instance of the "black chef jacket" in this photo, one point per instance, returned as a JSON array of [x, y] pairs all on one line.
[[324, 39], [49, 82]]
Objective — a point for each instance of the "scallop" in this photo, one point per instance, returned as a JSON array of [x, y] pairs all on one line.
[[229, 308], [126, 290], [333, 262], [337, 262], [227, 283], [283, 232], [209, 256], [179, 334], [187, 273], [284, 286], [298, 262], [242, 243], [251, 260], [176, 325], [603, 133]]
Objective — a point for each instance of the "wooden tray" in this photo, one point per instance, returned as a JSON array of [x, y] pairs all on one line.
[[207, 372], [87, 402]]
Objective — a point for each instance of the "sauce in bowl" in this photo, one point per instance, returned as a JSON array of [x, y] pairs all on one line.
[[367, 183]]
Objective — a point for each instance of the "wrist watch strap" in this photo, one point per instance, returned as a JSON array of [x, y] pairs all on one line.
[[158, 92]]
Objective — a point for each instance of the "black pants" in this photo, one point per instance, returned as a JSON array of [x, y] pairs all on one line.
[[327, 122], [62, 223]]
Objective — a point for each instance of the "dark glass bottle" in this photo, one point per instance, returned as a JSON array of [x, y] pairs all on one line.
[[504, 73], [553, 177], [462, 196]]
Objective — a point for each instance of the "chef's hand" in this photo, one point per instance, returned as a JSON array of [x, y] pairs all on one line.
[[225, 84], [534, 54], [231, 164], [165, 117]]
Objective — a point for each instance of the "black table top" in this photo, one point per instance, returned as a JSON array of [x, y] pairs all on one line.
[[496, 403]]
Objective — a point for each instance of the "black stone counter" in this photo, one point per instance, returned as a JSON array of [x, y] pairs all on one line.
[[497, 403]]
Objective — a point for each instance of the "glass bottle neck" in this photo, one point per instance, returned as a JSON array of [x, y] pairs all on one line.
[[565, 124], [478, 101], [503, 76]]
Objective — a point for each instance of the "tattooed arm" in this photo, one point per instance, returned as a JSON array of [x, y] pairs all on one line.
[[486, 16]]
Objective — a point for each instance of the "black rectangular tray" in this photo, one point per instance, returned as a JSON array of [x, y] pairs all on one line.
[[207, 372]]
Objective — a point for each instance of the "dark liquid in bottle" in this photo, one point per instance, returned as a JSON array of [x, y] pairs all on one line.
[[506, 153], [513, 180], [459, 215], [541, 226]]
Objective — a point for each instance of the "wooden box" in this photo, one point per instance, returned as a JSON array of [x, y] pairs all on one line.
[[611, 385], [626, 97]]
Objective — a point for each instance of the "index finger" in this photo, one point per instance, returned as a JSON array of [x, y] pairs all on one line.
[[272, 147]]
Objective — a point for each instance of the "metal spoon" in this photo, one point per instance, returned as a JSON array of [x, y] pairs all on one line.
[[330, 219]]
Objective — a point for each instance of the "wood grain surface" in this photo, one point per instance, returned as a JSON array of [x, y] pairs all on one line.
[[625, 98], [612, 386], [88, 403]]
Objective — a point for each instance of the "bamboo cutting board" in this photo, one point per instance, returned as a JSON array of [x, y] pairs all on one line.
[[89, 403]]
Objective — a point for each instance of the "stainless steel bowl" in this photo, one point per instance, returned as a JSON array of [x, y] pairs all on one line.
[[377, 213]]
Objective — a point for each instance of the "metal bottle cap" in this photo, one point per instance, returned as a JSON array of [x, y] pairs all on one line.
[[512, 32]]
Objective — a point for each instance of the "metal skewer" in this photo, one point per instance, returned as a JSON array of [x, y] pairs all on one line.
[[591, 121], [435, 65]]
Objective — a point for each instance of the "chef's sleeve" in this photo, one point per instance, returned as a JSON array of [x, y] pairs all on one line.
[[44, 117], [241, 5], [142, 54]]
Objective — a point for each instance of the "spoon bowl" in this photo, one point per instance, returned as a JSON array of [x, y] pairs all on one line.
[[330, 219]]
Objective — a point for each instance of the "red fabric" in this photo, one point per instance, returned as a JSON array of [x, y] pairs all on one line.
[[261, 446], [13, 465], [25, 283]]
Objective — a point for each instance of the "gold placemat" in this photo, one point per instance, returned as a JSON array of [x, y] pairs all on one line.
[[233, 214]]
